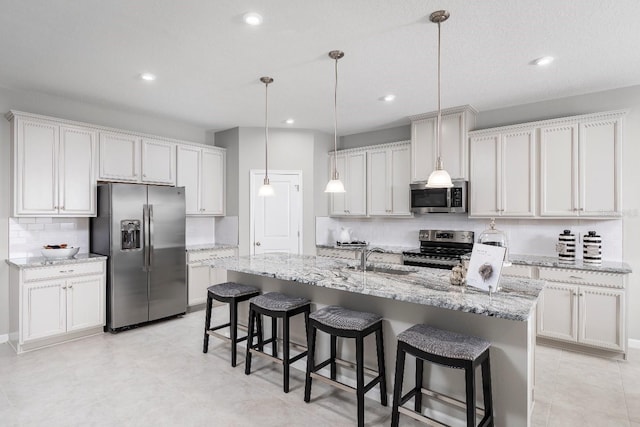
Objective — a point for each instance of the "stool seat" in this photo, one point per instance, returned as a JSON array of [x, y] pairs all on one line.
[[338, 317], [276, 301], [444, 343], [231, 289]]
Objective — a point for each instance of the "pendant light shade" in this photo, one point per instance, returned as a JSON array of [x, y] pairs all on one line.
[[439, 178], [266, 189], [335, 185]]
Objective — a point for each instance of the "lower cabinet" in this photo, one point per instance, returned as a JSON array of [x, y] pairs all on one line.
[[56, 303], [354, 254], [200, 275]]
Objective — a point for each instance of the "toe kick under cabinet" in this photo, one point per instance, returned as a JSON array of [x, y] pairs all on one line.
[[55, 303]]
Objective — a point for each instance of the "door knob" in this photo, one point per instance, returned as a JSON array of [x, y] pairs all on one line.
[[257, 243]]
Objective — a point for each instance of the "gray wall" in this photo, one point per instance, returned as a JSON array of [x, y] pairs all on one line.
[[383, 136], [73, 110]]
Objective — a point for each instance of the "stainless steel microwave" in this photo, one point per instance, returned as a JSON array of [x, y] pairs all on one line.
[[439, 200]]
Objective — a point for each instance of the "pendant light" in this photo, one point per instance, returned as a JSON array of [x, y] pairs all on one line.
[[335, 185], [266, 189], [439, 178]]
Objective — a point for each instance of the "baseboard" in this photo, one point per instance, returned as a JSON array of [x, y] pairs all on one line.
[[634, 343], [4, 338]]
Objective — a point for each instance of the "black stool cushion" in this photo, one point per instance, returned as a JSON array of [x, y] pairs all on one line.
[[444, 343], [341, 318], [231, 289], [276, 301]]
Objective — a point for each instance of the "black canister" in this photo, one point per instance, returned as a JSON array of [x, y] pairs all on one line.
[[566, 247], [592, 248]]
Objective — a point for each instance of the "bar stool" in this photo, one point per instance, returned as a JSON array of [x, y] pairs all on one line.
[[448, 349], [230, 293], [276, 306], [341, 322]]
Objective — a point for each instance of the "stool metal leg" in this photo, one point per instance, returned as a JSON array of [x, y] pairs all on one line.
[[334, 345], [207, 322], [247, 362], [486, 392], [274, 335], [397, 386], [418, 397], [360, 379], [381, 369], [311, 351], [285, 351], [233, 330], [470, 377]]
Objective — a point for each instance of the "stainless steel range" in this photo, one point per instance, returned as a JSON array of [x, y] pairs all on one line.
[[440, 248]]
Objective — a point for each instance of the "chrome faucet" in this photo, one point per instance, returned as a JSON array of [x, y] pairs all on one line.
[[364, 255]]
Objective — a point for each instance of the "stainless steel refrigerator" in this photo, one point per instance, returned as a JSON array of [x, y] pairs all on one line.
[[141, 228]]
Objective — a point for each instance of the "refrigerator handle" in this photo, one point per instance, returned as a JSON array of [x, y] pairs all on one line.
[[150, 238], [145, 220]]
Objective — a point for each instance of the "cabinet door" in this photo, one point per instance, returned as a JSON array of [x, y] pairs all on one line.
[[36, 174], [400, 180], [485, 176], [423, 160], [158, 161], [356, 184], [453, 145], [198, 283], [43, 309], [559, 171], [338, 201], [212, 182], [600, 166], [85, 303], [119, 157], [77, 171], [518, 160], [188, 176], [602, 317], [379, 182], [558, 312]]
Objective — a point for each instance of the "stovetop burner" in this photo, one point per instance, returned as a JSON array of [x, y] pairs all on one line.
[[440, 248]]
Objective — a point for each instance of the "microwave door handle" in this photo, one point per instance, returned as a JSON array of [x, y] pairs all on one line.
[[448, 197], [150, 237]]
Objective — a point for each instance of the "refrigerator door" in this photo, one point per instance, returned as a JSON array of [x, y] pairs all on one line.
[[166, 256], [127, 288]]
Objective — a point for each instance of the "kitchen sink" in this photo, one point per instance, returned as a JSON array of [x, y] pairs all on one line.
[[384, 270]]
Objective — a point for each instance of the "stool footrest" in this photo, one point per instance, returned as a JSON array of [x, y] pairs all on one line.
[[265, 355], [344, 386], [451, 401], [420, 417]]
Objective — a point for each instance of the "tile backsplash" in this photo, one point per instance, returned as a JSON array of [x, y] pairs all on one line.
[[28, 235]]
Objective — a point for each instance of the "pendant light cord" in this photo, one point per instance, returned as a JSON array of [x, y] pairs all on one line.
[[266, 132], [335, 124], [439, 119]]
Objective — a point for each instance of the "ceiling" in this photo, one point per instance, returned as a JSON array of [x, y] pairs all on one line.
[[208, 61]]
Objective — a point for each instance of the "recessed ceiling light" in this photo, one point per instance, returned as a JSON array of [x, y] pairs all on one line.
[[545, 60], [149, 77], [252, 18], [389, 98], [289, 121]]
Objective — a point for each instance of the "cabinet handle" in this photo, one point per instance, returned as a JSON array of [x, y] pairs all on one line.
[[70, 287], [64, 287], [581, 209], [575, 277], [581, 294], [66, 271]]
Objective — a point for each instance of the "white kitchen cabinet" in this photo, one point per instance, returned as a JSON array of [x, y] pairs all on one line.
[[202, 172], [200, 275], [388, 180], [503, 174], [352, 170], [586, 308], [456, 122], [580, 166], [52, 304], [54, 168], [119, 157], [158, 161]]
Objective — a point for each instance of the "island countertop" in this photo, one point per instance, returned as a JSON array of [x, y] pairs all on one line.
[[421, 285]]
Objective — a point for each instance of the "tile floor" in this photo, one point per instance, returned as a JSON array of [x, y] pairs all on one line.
[[158, 376]]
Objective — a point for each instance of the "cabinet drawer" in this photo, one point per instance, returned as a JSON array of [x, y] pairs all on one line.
[[518, 271], [581, 277], [387, 258], [63, 270], [201, 256]]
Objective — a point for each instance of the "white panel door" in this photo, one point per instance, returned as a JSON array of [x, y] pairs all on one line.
[[338, 201], [559, 171], [379, 182], [188, 176], [518, 161], [36, 182], [43, 309], [400, 180], [602, 317], [77, 171], [558, 312], [356, 184], [277, 219], [212, 182], [158, 161], [600, 168], [85, 303], [485, 176], [119, 157]]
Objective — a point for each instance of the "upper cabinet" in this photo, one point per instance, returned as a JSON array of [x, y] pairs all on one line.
[[455, 122], [388, 180], [201, 170], [158, 161], [54, 167], [568, 167], [352, 170]]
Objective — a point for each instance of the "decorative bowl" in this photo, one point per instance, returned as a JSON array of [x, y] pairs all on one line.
[[62, 253]]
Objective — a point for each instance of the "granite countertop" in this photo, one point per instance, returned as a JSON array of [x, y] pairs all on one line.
[[385, 248], [421, 286], [553, 262], [44, 262], [208, 247]]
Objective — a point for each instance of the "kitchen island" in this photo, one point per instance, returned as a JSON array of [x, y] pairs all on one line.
[[405, 296]]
